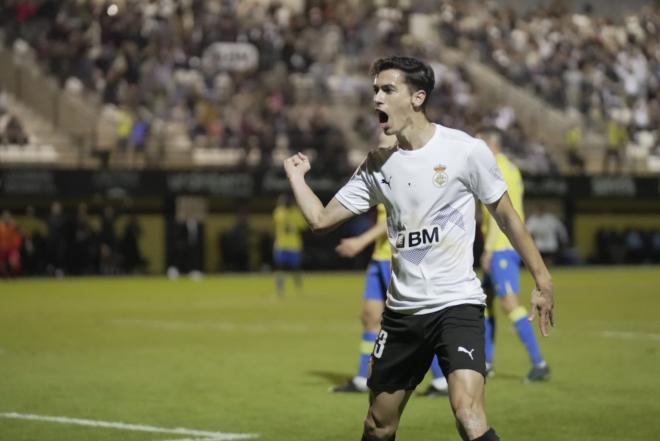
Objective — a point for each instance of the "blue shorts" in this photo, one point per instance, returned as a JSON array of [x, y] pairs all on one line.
[[287, 259], [378, 279], [505, 272]]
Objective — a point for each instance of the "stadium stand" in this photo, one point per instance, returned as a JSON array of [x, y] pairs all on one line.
[[601, 69], [165, 96], [24, 137], [237, 86]]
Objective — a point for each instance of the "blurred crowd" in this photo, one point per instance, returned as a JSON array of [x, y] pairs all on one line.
[[184, 74], [630, 245], [606, 70], [62, 244], [156, 68]]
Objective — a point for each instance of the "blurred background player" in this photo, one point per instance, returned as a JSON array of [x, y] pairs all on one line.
[[287, 253], [375, 294], [501, 266], [549, 233]]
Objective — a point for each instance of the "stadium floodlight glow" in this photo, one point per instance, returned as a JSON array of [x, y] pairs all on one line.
[[112, 10]]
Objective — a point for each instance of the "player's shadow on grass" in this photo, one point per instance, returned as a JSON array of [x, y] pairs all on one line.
[[333, 378], [336, 378]]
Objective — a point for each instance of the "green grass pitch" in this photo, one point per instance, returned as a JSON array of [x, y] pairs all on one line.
[[226, 355]]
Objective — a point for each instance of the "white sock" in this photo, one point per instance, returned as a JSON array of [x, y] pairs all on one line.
[[360, 383], [440, 383]]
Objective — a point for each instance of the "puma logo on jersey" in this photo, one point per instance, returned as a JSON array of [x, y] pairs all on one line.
[[462, 349], [385, 181]]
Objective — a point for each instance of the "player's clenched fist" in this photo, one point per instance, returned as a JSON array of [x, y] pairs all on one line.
[[296, 166], [349, 247]]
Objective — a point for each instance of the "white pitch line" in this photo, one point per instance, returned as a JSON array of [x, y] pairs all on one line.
[[192, 439], [209, 436]]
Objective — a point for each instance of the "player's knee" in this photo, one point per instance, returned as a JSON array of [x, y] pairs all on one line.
[[370, 321], [378, 431], [509, 302]]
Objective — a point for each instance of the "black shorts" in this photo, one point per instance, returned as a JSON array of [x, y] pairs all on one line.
[[406, 345]]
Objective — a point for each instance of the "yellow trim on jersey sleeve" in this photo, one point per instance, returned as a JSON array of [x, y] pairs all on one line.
[[382, 250], [494, 239]]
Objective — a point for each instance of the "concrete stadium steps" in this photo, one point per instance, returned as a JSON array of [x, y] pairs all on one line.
[[47, 143]]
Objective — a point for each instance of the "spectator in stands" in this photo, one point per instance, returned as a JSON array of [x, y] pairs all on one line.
[[617, 138], [82, 257], [124, 127], [579, 62], [10, 246], [33, 252], [56, 242], [634, 245], [11, 130], [613, 246], [132, 258], [190, 247], [655, 246], [134, 54], [136, 142], [235, 244], [574, 144], [107, 242]]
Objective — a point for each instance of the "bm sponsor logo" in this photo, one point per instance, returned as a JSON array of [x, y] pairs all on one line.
[[418, 238]]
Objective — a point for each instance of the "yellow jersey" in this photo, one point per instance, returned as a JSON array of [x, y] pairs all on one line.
[[494, 239], [382, 250], [289, 223]]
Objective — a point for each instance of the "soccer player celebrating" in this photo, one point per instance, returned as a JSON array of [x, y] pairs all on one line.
[[435, 302], [501, 266], [375, 294]]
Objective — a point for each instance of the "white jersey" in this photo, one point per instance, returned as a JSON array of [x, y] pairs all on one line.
[[429, 196]]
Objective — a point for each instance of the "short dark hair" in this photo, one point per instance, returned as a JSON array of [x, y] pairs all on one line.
[[418, 75]]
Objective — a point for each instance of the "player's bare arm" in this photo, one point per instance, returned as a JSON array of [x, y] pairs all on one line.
[[320, 218], [352, 246], [543, 295], [489, 245]]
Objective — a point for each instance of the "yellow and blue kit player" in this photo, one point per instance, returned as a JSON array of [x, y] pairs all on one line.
[[501, 265], [287, 249], [375, 294]]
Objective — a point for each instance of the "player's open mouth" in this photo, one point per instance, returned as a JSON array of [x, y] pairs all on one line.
[[383, 118]]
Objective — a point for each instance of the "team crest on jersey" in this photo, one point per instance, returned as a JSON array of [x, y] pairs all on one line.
[[440, 177]]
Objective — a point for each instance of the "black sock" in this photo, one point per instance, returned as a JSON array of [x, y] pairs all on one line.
[[490, 435]]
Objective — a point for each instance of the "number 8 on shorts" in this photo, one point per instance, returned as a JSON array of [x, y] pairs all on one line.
[[380, 343]]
